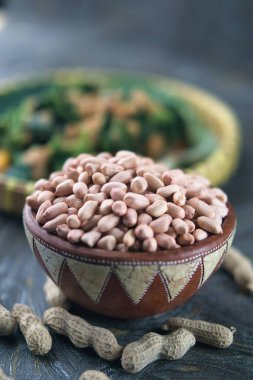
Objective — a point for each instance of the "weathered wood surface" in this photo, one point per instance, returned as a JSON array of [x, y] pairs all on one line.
[[40, 44]]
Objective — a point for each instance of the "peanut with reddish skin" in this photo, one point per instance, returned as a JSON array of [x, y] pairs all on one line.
[[90, 238], [150, 245], [64, 188], [106, 207], [123, 177], [55, 174], [143, 231], [85, 178], [73, 221], [221, 211], [119, 208], [194, 190], [94, 189], [144, 218], [107, 222], [130, 219], [128, 162], [82, 334], [185, 239], [129, 238], [107, 242], [111, 169], [37, 337], [87, 210], [73, 174], [55, 210], [74, 235], [166, 241], [80, 189], [209, 333], [190, 224], [58, 200], [43, 184], [91, 160], [152, 347], [62, 230], [40, 213], [172, 232], [99, 179], [180, 226], [240, 268], [161, 224], [87, 225], [45, 196], [107, 188], [136, 201], [99, 197], [168, 191], [51, 225], [189, 211], [199, 234], [72, 211], [139, 185], [201, 208], [92, 168], [117, 194], [74, 201], [7, 322], [154, 197], [157, 209], [32, 201], [179, 198], [175, 211], [220, 194], [154, 183], [117, 233], [57, 180], [209, 225]]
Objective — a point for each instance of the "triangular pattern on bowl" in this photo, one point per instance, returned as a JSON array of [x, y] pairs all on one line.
[[51, 259], [91, 278], [176, 277], [136, 279]]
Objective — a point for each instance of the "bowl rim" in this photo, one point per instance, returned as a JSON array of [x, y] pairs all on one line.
[[82, 253]]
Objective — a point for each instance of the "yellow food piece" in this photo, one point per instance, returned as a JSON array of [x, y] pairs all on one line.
[[5, 160], [156, 145]]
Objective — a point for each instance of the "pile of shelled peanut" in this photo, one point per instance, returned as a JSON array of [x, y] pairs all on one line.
[[127, 203]]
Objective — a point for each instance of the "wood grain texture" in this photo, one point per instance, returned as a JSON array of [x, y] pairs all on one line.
[[213, 51]]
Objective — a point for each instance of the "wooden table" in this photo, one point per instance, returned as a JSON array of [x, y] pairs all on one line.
[[32, 46]]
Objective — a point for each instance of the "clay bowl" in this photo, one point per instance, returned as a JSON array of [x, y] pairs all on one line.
[[128, 285]]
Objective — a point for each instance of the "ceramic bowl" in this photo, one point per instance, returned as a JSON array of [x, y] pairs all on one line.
[[125, 284]]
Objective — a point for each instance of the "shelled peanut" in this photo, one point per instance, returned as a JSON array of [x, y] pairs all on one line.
[[127, 202]]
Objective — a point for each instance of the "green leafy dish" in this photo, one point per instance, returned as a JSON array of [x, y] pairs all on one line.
[[44, 121]]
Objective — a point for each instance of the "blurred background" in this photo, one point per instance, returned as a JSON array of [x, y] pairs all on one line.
[[204, 43]]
